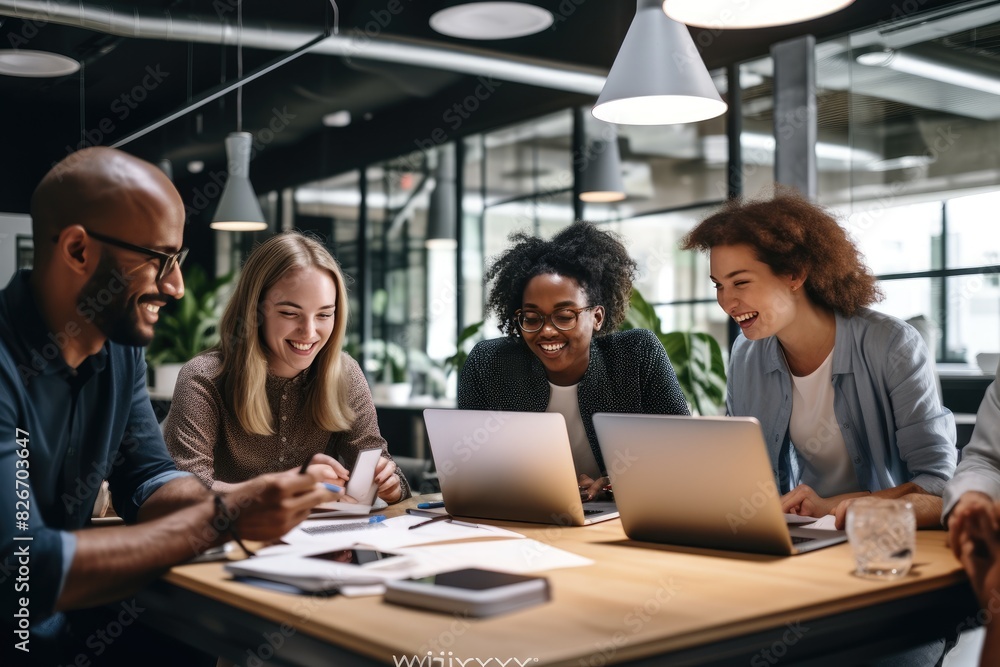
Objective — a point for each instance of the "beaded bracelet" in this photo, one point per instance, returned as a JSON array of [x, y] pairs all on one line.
[[228, 524]]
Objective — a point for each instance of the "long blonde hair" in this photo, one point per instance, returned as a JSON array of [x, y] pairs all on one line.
[[244, 355]]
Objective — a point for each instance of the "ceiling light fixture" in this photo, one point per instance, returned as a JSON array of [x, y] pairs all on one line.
[[658, 77], [911, 62], [36, 64], [238, 209], [715, 149], [601, 168], [727, 14], [442, 212], [340, 118], [491, 20]]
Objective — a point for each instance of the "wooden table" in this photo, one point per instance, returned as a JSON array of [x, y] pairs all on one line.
[[639, 604]]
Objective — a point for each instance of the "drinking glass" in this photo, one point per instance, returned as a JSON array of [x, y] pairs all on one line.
[[882, 533]]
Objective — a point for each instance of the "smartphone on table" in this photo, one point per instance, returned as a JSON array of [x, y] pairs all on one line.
[[470, 591]]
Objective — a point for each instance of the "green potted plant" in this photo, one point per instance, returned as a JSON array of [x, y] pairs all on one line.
[[186, 328], [696, 357], [386, 363], [457, 360]]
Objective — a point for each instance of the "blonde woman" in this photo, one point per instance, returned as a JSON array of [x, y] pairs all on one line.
[[278, 390]]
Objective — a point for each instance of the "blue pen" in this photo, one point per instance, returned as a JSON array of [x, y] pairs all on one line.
[[430, 506], [332, 487], [378, 518]]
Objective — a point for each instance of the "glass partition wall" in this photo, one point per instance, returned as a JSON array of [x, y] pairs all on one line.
[[917, 106], [908, 155]]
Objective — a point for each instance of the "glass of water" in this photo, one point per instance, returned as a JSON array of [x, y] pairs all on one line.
[[882, 533]]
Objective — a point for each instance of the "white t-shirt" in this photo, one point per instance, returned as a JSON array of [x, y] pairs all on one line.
[[815, 433], [565, 401]]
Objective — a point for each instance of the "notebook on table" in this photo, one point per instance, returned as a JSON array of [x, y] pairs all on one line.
[[699, 481], [510, 466]]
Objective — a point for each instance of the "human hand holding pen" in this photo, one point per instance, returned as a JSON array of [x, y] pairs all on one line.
[[321, 461], [270, 505], [326, 469]]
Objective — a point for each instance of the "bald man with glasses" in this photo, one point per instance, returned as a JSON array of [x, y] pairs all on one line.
[[74, 411]]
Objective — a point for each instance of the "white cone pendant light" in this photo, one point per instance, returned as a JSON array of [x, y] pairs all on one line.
[[658, 77], [238, 210]]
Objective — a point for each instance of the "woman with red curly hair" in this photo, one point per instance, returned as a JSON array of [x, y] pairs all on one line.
[[846, 398]]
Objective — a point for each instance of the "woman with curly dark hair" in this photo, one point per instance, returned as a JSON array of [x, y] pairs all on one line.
[[846, 397], [560, 303]]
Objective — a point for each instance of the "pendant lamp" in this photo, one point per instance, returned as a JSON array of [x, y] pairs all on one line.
[[658, 77], [601, 168], [238, 209], [442, 211], [727, 14]]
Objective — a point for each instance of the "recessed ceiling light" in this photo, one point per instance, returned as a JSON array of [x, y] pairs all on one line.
[[491, 20], [195, 166], [36, 64], [337, 118]]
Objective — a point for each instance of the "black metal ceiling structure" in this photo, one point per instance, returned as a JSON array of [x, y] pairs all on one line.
[[406, 87]]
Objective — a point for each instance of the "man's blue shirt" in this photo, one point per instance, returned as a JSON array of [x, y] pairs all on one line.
[[62, 432]]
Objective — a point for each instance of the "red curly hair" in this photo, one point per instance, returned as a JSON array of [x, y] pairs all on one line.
[[794, 236]]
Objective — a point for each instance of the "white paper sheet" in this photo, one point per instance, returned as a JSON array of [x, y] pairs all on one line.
[[823, 523], [392, 533], [517, 556], [339, 508]]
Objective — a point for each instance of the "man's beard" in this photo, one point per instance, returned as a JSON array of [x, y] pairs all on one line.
[[118, 320]]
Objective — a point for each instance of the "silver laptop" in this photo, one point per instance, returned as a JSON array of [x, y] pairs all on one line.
[[700, 481], [511, 466]]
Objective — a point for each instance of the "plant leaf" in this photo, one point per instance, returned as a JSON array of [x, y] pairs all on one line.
[[695, 356]]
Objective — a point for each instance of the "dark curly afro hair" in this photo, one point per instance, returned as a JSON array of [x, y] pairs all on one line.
[[793, 236], [596, 259]]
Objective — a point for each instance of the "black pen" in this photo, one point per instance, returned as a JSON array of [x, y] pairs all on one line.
[[329, 487], [443, 517]]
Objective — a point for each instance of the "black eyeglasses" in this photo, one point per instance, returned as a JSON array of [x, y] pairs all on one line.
[[168, 262], [563, 319]]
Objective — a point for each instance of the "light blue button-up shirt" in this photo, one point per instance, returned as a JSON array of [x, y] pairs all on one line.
[[885, 399]]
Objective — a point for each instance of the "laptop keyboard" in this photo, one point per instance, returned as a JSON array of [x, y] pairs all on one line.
[[587, 512]]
